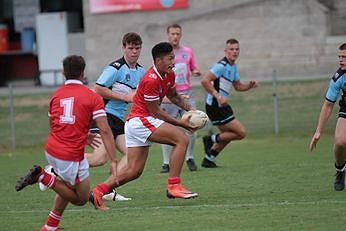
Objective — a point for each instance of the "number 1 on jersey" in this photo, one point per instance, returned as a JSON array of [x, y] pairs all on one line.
[[67, 117]]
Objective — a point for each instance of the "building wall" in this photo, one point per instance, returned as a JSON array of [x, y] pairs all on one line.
[[289, 36]]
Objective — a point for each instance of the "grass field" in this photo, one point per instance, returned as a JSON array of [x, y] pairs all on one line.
[[265, 182]]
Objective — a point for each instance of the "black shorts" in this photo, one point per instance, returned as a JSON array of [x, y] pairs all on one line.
[[219, 115], [116, 125]]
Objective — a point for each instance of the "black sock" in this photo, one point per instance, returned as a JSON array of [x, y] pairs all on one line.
[[340, 168], [213, 153]]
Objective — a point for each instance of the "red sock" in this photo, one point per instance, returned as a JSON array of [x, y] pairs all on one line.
[[174, 180], [53, 219], [48, 180], [102, 187]]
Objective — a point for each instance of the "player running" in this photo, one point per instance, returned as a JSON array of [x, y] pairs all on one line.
[[71, 109], [217, 82], [117, 85], [148, 123]]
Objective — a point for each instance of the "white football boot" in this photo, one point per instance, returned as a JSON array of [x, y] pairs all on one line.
[[115, 196], [49, 170]]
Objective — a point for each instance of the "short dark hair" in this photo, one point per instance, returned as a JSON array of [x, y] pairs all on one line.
[[161, 49], [232, 41], [175, 25], [131, 38], [74, 66], [342, 47]]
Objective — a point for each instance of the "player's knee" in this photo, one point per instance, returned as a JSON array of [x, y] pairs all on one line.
[[241, 134], [183, 140], [340, 143], [81, 200]]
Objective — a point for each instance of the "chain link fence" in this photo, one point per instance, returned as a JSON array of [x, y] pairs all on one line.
[[283, 107]]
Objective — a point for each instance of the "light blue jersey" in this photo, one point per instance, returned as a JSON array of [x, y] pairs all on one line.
[[118, 77], [336, 84], [226, 74]]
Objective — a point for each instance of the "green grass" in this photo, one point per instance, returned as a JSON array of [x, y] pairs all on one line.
[[265, 182]]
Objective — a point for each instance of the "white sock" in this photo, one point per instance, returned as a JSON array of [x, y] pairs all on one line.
[[166, 153], [191, 146]]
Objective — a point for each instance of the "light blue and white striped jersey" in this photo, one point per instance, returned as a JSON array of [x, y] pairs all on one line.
[[118, 77], [226, 74], [336, 84]]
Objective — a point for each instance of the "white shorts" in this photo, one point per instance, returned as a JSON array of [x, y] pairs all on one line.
[[72, 172], [138, 130]]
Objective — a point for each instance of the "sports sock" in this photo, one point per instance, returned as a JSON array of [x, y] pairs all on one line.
[[215, 138], [53, 220], [340, 168], [166, 153], [47, 179], [173, 180], [191, 146], [103, 188], [212, 155]]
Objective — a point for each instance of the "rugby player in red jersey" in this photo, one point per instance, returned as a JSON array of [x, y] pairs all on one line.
[[71, 109], [147, 123]]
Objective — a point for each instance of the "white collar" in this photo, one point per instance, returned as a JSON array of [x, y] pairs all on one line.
[[155, 69], [75, 81]]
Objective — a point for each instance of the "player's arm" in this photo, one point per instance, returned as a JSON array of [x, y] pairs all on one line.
[[206, 82], [108, 141], [196, 72], [107, 93], [325, 113], [240, 86], [178, 99], [156, 111]]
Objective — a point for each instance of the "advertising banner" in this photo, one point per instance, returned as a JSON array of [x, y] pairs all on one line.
[[107, 6]]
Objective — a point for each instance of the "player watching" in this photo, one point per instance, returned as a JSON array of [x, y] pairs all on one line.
[[336, 85], [184, 66]]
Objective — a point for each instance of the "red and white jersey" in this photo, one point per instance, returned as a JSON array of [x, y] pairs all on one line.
[[151, 87], [72, 108]]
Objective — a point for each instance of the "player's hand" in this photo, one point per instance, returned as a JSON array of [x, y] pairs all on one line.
[[94, 140], [113, 171], [222, 101], [314, 141], [196, 73], [129, 96], [113, 168], [185, 124], [253, 84]]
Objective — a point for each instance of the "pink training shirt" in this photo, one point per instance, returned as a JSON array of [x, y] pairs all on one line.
[[184, 64]]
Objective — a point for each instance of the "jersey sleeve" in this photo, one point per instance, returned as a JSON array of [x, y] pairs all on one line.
[[193, 64], [333, 90], [236, 74], [98, 106], [107, 77], [151, 90], [217, 69]]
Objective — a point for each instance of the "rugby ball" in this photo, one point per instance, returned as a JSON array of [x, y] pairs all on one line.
[[198, 118]]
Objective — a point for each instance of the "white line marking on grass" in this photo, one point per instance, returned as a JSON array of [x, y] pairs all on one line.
[[231, 206]]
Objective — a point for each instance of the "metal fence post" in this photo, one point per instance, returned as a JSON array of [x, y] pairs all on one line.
[[12, 116], [275, 104]]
